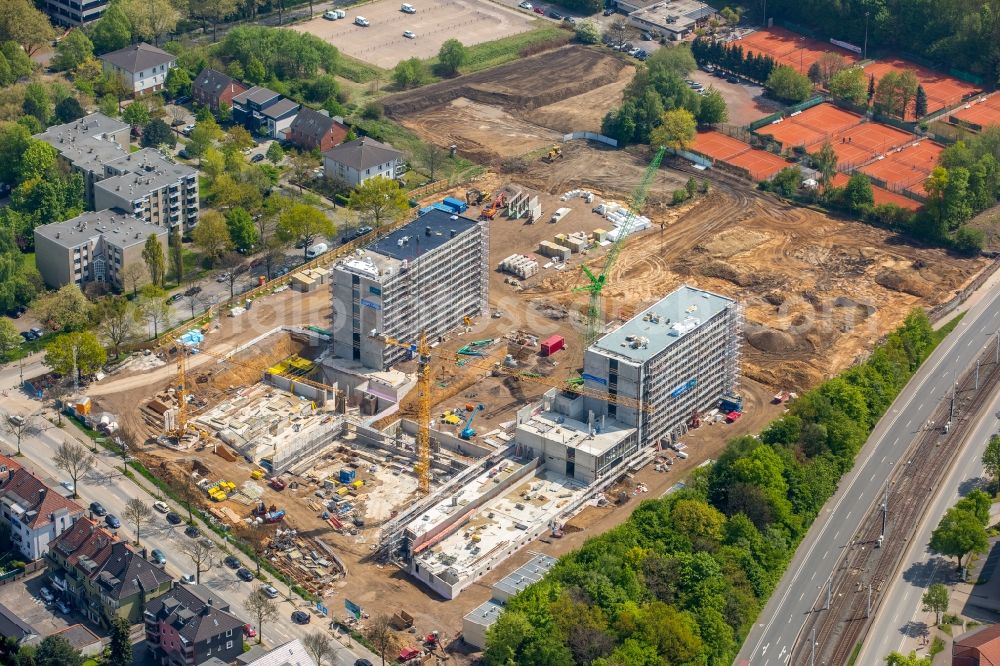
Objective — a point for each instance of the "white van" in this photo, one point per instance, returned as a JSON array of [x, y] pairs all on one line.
[[682, 455], [408, 9], [314, 251], [362, 21]]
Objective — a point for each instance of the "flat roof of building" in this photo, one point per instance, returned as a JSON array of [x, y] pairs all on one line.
[[486, 613], [675, 15], [530, 572], [146, 171], [576, 434], [428, 232], [662, 324], [85, 142], [117, 227]]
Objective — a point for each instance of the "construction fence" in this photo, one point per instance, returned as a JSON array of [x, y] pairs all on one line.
[[591, 136]]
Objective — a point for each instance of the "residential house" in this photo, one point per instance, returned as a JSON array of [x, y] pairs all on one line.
[[978, 647], [189, 625], [85, 145], [103, 576], [93, 247], [83, 639], [13, 627], [74, 12], [213, 89], [35, 513], [142, 66], [316, 130], [356, 161], [292, 653], [152, 188], [264, 111]]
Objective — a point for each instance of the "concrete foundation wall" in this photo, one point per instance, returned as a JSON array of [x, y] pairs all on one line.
[[448, 441]]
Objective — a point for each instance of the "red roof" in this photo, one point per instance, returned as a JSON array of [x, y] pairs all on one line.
[[84, 538], [8, 464], [34, 496]]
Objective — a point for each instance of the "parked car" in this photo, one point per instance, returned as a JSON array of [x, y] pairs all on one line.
[[330, 15], [68, 485], [192, 531], [646, 37], [174, 518], [732, 79], [63, 607], [181, 101], [525, 5], [232, 562], [362, 662], [37, 332], [174, 298], [161, 506], [17, 312], [409, 34], [270, 591], [244, 574], [187, 129], [156, 556], [259, 157], [301, 617], [407, 8], [362, 21], [188, 579], [46, 595], [249, 631], [556, 15], [570, 20], [112, 521], [608, 11], [539, 10], [98, 509]]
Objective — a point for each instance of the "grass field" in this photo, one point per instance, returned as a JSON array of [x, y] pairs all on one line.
[[491, 54]]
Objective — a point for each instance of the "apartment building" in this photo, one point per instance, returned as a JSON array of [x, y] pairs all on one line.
[[213, 89], [356, 161], [189, 625], [316, 130], [92, 247], [74, 12], [34, 513], [87, 144], [151, 187], [425, 276], [142, 66], [679, 356], [102, 576], [264, 111]]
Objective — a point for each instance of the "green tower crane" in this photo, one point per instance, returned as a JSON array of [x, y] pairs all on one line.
[[595, 311]]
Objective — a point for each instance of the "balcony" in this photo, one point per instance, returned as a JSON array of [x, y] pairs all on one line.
[[59, 583]]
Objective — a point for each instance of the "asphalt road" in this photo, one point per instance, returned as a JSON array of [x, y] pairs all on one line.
[[800, 589], [107, 485], [899, 618]]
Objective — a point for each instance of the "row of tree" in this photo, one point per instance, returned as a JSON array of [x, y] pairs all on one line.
[[731, 57], [660, 88], [682, 580]]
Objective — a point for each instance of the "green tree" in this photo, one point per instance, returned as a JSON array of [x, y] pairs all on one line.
[[113, 30], [69, 109], [958, 534], [858, 193], [452, 55], [977, 502], [73, 50], [64, 310], [969, 241], [936, 599], [991, 459], [242, 230], [920, 105], [712, 109], [55, 650], [787, 181], [261, 608], [136, 114], [304, 224], [150, 18], [255, 70], [676, 130], [37, 102], [379, 200], [849, 84], [152, 255], [157, 133], [211, 235], [10, 339], [176, 252], [80, 350], [275, 153], [121, 641], [588, 32], [897, 659], [410, 73], [116, 319], [788, 85], [825, 161], [37, 161], [14, 140], [677, 60], [24, 25], [178, 82]]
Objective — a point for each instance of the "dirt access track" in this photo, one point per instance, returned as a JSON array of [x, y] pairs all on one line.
[[516, 108]]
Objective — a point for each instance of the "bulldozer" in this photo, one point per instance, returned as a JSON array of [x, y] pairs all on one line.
[[554, 153]]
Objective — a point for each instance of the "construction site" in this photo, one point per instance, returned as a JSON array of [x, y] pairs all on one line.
[[424, 445]]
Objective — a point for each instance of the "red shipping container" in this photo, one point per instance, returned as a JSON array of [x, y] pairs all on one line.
[[552, 344]]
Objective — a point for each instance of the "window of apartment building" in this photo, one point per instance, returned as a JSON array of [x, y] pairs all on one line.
[[229, 633], [229, 645]]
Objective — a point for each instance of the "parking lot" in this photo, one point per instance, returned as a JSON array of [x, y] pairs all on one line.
[[22, 597], [435, 21]]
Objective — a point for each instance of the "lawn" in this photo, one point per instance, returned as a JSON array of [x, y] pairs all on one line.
[[492, 54]]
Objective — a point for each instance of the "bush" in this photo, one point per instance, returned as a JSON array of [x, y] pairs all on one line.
[[372, 111], [587, 32], [679, 197], [969, 241]]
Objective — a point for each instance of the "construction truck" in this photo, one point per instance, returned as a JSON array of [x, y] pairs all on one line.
[[554, 153]]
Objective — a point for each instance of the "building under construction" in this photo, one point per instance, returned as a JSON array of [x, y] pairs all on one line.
[[427, 276], [679, 357]]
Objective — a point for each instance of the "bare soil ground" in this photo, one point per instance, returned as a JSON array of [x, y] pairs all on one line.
[[382, 43], [513, 109]]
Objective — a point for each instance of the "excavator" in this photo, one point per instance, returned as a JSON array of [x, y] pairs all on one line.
[[554, 153]]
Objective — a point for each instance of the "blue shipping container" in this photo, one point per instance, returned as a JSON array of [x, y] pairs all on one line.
[[456, 205], [347, 475]]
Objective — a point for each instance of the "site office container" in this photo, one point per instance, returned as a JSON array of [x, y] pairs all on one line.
[[552, 344]]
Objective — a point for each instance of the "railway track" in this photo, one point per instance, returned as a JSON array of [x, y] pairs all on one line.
[[844, 606]]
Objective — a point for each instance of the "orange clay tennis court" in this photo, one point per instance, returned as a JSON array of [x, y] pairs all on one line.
[[760, 164], [789, 48], [908, 168], [866, 142], [811, 127], [881, 195], [942, 91], [718, 146], [982, 113]]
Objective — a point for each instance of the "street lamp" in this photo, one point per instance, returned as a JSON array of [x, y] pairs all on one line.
[[866, 36]]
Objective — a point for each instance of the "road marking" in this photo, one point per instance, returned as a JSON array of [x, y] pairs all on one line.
[[813, 576], [826, 553], [764, 651], [802, 595]]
